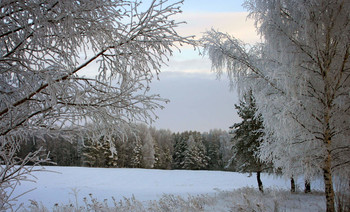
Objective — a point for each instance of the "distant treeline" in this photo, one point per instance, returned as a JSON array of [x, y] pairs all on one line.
[[145, 147]]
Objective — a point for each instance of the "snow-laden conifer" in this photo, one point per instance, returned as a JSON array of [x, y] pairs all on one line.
[[247, 137]]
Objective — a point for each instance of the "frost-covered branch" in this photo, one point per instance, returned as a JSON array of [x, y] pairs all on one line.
[[14, 170], [239, 59], [72, 64], [127, 46], [300, 78]]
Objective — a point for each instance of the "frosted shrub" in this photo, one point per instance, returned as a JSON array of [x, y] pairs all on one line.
[[244, 199], [342, 193], [167, 203], [129, 204], [170, 202], [92, 204], [248, 199]]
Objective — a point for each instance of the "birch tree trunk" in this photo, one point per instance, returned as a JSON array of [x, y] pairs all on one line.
[[327, 177], [260, 184], [292, 185], [307, 187], [329, 191]]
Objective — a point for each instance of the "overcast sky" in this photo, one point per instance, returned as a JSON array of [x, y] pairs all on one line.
[[198, 101]]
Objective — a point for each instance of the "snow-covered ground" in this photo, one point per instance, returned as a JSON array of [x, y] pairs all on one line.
[[59, 185]]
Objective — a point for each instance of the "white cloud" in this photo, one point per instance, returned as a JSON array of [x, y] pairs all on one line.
[[188, 61], [234, 23], [198, 65]]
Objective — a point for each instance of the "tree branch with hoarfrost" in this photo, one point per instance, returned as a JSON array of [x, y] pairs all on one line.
[[47, 49], [300, 76]]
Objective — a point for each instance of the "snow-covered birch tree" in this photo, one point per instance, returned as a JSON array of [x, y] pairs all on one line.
[[301, 80], [48, 46], [147, 149]]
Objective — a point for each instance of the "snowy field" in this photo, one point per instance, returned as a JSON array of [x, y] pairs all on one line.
[[60, 185]]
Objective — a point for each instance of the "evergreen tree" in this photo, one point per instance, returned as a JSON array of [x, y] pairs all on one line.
[[203, 158], [195, 155], [247, 138], [191, 155], [157, 157], [125, 147], [213, 152], [92, 155], [100, 154], [212, 144], [136, 160], [163, 148], [111, 155], [167, 159], [180, 147]]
